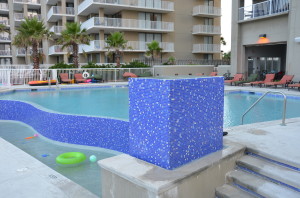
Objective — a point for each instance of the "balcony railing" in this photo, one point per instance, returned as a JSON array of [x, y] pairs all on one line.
[[57, 50], [129, 4], [28, 1], [139, 46], [5, 53], [20, 16], [57, 29], [206, 48], [4, 22], [130, 24], [56, 12], [22, 51], [5, 37], [206, 29], [264, 9], [4, 6], [203, 10]]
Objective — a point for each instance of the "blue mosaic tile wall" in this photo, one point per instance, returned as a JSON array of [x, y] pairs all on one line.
[[83, 130], [175, 121]]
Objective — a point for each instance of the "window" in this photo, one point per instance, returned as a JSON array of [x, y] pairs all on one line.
[[207, 56]]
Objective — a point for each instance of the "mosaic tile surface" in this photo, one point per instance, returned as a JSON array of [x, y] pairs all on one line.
[[83, 130], [173, 122]]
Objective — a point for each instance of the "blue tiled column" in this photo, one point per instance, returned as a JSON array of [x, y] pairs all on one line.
[[174, 121]]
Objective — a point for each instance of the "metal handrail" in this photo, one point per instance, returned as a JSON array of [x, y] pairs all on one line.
[[284, 106]]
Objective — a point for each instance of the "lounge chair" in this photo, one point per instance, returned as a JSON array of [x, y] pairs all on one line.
[[237, 77], [296, 85], [213, 74], [64, 77], [78, 78], [129, 75], [96, 78], [251, 78], [269, 78], [285, 80]]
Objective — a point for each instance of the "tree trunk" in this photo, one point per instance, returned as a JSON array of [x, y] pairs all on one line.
[[35, 55], [75, 55], [118, 58]]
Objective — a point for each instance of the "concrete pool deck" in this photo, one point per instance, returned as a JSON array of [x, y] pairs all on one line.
[[24, 176]]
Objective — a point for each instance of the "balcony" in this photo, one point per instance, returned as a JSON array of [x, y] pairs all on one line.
[[5, 22], [93, 25], [31, 4], [21, 52], [206, 48], [206, 30], [207, 11], [55, 13], [92, 6], [57, 29], [19, 17], [136, 46], [264, 9], [5, 53], [4, 8], [5, 38], [57, 50]]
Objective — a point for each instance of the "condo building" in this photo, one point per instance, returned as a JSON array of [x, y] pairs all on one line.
[[266, 37], [185, 29]]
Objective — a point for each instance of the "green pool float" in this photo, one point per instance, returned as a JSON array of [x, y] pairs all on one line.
[[70, 158]]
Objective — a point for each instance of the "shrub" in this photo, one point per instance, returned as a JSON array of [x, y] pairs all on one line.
[[62, 66], [94, 65], [135, 64]]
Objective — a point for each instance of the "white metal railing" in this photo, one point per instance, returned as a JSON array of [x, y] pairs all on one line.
[[206, 10], [28, 1], [4, 22], [10, 77], [57, 49], [3, 6], [57, 10], [206, 29], [103, 22], [5, 52], [206, 48], [22, 51], [100, 45], [263, 9], [5, 37], [57, 29], [20, 16], [154, 4]]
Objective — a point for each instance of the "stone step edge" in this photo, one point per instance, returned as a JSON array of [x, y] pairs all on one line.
[[268, 158], [245, 186], [267, 178], [221, 191]]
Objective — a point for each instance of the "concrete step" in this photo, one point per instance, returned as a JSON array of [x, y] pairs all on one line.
[[261, 186], [227, 191], [271, 170]]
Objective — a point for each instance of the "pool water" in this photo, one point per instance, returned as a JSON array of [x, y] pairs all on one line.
[[113, 102], [86, 174]]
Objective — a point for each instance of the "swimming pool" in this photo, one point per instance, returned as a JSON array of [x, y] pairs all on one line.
[[86, 174], [113, 103]]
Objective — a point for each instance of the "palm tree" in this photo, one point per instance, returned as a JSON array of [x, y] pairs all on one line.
[[115, 45], [73, 36], [153, 49], [32, 32], [21, 42]]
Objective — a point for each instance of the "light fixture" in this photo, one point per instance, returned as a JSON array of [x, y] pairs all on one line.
[[262, 36], [297, 39]]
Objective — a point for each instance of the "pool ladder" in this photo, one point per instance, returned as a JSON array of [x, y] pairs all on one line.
[[284, 106]]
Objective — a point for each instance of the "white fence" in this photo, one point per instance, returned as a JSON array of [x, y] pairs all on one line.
[[10, 77]]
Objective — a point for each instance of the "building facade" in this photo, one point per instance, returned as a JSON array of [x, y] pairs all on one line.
[[266, 37], [184, 29]]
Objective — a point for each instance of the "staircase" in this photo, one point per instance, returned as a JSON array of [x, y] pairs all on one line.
[[258, 176]]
